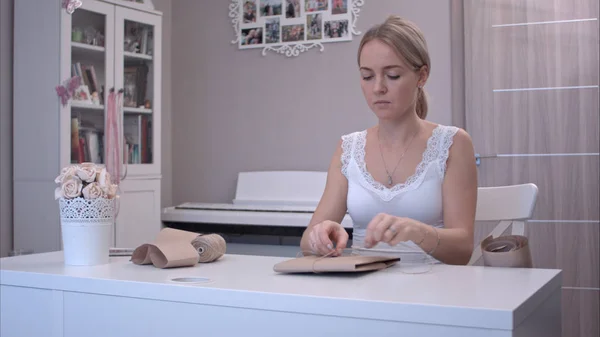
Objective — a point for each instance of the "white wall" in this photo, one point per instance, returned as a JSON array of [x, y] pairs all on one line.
[[235, 110], [216, 118]]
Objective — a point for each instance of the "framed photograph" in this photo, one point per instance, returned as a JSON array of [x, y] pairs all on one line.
[[290, 27], [82, 94], [272, 30], [271, 8], [130, 87], [314, 26]]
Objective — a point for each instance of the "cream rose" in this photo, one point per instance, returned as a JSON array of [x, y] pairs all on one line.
[[92, 191], [103, 178], [87, 172], [111, 191], [65, 173], [71, 188]]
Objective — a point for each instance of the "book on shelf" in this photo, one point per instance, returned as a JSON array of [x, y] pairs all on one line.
[[135, 83], [87, 143], [144, 41], [138, 139], [87, 73]]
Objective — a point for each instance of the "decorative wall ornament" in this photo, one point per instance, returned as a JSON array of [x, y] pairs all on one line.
[[68, 89], [291, 27]]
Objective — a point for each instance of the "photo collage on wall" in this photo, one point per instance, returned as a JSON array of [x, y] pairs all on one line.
[[279, 22]]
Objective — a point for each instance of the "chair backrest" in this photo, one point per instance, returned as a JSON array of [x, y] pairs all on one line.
[[515, 202], [510, 205]]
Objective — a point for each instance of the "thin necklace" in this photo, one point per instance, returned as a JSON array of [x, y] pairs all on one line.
[[390, 181]]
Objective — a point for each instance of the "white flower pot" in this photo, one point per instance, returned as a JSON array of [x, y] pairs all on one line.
[[86, 244], [86, 230]]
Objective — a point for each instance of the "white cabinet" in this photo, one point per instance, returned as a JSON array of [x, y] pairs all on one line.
[[113, 46], [138, 221]]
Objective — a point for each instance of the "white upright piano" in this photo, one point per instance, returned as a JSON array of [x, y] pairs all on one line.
[[270, 211]]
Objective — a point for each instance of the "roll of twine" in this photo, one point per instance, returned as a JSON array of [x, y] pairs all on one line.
[[210, 247]]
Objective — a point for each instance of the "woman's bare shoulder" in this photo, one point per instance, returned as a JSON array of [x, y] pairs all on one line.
[[459, 138], [462, 144]]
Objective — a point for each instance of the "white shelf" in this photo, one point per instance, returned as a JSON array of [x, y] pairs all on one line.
[[130, 55], [138, 110], [89, 53], [79, 45], [90, 106]]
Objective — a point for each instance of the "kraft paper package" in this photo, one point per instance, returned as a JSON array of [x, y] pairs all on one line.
[[506, 251], [339, 264], [177, 248]]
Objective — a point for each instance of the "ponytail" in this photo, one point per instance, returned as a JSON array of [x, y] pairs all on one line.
[[421, 105]]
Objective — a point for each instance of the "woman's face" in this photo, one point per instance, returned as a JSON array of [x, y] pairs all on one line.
[[390, 85]]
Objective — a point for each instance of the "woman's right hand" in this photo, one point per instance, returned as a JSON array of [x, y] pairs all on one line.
[[328, 238]]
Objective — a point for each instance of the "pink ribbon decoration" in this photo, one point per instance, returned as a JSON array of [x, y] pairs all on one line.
[[63, 93], [67, 90], [71, 5], [114, 156]]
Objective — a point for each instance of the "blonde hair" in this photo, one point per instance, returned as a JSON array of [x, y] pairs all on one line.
[[408, 42]]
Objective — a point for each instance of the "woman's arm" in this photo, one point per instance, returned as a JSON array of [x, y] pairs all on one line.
[[459, 197], [332, 205]]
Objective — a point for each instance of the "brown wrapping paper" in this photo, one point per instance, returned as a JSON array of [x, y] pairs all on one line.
[[506, 251], [347, 264], [177, 248]]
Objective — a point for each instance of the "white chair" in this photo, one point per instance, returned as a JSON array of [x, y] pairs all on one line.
[[511, 205]]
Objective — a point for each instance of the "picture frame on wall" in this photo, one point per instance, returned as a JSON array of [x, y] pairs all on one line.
[[290, 27]]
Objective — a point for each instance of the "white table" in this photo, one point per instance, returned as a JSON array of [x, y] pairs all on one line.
[[245, 297]]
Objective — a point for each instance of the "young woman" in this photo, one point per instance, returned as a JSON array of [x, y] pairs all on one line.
[[409, 185]]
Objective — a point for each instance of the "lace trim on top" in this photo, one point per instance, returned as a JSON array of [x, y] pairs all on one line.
[[445, 145], [437, 149], [347, 143]]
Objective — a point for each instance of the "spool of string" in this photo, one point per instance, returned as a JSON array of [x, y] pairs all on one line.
[[210, 247]]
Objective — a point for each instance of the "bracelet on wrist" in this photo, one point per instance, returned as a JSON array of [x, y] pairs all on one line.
[[438, 242], [423, 239]]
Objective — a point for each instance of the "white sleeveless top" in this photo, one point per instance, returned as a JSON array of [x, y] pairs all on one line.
[[419, 198]]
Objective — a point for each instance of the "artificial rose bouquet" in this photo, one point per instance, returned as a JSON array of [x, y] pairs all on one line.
[[85, 180]]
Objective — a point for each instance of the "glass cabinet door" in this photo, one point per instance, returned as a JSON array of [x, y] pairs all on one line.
[[91, 45], [137, 73]]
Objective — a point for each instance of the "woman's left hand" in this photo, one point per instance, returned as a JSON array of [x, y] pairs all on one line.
[[393, 230]]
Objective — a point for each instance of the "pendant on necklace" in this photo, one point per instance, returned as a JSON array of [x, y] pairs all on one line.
[[389, 180]]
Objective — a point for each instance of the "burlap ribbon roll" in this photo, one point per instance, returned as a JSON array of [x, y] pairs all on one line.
[[210, 247], [178, 248], [506, 251]]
